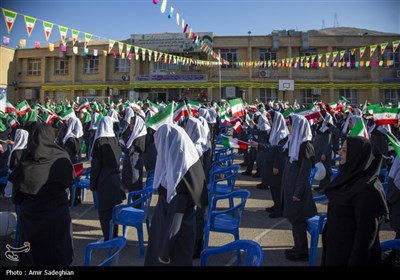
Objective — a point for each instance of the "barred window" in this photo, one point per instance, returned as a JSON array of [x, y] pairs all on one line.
[[34, 66]]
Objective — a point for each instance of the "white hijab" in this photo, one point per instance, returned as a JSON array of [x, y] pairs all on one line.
[[93, 121], [206, 130], [279, 129], [327, 119], [138, 130], [195, 129], [128, 114], [263, 123], [74, 130], [300, 133], [114, 115], [20, 142], [175, 155]]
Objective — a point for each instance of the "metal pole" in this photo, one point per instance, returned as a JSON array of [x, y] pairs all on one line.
[[219, 75]]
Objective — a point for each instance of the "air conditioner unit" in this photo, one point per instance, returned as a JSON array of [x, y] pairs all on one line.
[[264, 74], [125, 78], [398, 73], [316, 91]]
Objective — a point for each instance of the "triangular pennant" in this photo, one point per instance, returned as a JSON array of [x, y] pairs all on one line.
[[341, 54], [353, 51], [110, 45], [362, 51], [75, 34], [63, 32], [143, 54], [334, 55], [9, 18], [383, 47], [88, 36], [120, 47], [395, 45], [163, 6], [48, 27], [51, 47], [30, 24], [372, 49]]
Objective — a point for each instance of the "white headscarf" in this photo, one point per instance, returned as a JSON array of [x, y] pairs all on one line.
[[206, 129], [263, 123], [327, 119], [105, 128], [114, 115], [128, 114], [300, 133], [395, 172], [138, 130], [20, 142], [213, 115], [203, 112], [93, 121], [279, 129], [195, 129], [175, 155], [74, 130]]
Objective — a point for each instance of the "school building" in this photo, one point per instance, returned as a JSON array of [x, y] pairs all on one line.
[[285, 64]]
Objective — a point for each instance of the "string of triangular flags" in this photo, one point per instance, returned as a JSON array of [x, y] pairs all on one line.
[[30, 23], [180, 21]]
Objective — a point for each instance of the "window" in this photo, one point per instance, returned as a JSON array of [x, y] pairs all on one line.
[[229, 55], [122, 65], [349, 94], [61, 66], [91, 64], [307, 96], [159, 66], [34, 65], [348, 59], [268, 94], [392, 96], [389, 55], [267, 55]]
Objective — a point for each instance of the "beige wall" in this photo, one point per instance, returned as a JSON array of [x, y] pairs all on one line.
[[7, 69]]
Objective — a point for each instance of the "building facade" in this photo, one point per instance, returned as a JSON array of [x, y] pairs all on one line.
[[258, 65]]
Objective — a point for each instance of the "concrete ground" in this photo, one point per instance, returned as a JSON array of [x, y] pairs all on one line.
[[274, 235]]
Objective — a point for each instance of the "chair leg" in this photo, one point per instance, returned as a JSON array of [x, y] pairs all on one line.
[[239, 256], [83, 194], [72, 196], [313, 247], [95, 200], [206, 236], [140, 240]]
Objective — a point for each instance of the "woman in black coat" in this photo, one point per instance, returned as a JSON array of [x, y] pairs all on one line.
[[298, 202], [40, 180], [356, 207]]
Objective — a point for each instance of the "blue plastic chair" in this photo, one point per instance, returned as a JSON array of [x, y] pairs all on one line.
[[84, 185], [393, 244], [3, 180], [227, 220], [223, 180], [128, 215], [114, 247], [253, 252], [315, 225]]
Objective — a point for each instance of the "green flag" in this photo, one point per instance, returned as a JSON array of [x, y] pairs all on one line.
[[395, 142]]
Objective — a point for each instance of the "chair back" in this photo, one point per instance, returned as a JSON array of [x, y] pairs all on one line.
[[114, 247], [223, 180], [393, 244], [251, 250]]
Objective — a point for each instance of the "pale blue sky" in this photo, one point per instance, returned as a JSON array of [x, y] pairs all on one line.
[[117, 19]]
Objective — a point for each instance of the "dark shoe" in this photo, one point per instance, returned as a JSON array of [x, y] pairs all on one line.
[[289, 251], [270, 209], [256, 175], [297, 257], [261, 187], [275, 214], [246, 173]]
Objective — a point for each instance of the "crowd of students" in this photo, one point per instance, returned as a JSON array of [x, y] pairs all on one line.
[[285, 151]]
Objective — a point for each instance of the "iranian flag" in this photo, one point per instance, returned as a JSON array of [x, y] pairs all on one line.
[[137, 109], [237, 127], [23, 108], [229, 142], [88, 37], [310, 112], [63, 32], [67, 113], [194, 107], [48, 27], [359, 129], [83, 105], [9, 17], [49, 117], [237, 107], [180, 112], [30, 24], [164, 116], [10, 108], [384, 116], [395, 142], [12, 122]]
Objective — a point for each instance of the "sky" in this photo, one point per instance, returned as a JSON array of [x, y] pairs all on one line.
[[118, 19]]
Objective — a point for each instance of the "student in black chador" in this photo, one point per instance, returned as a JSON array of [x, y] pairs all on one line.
[[356, 207]]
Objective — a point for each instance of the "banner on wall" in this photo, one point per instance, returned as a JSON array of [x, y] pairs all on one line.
[[171, 42]]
